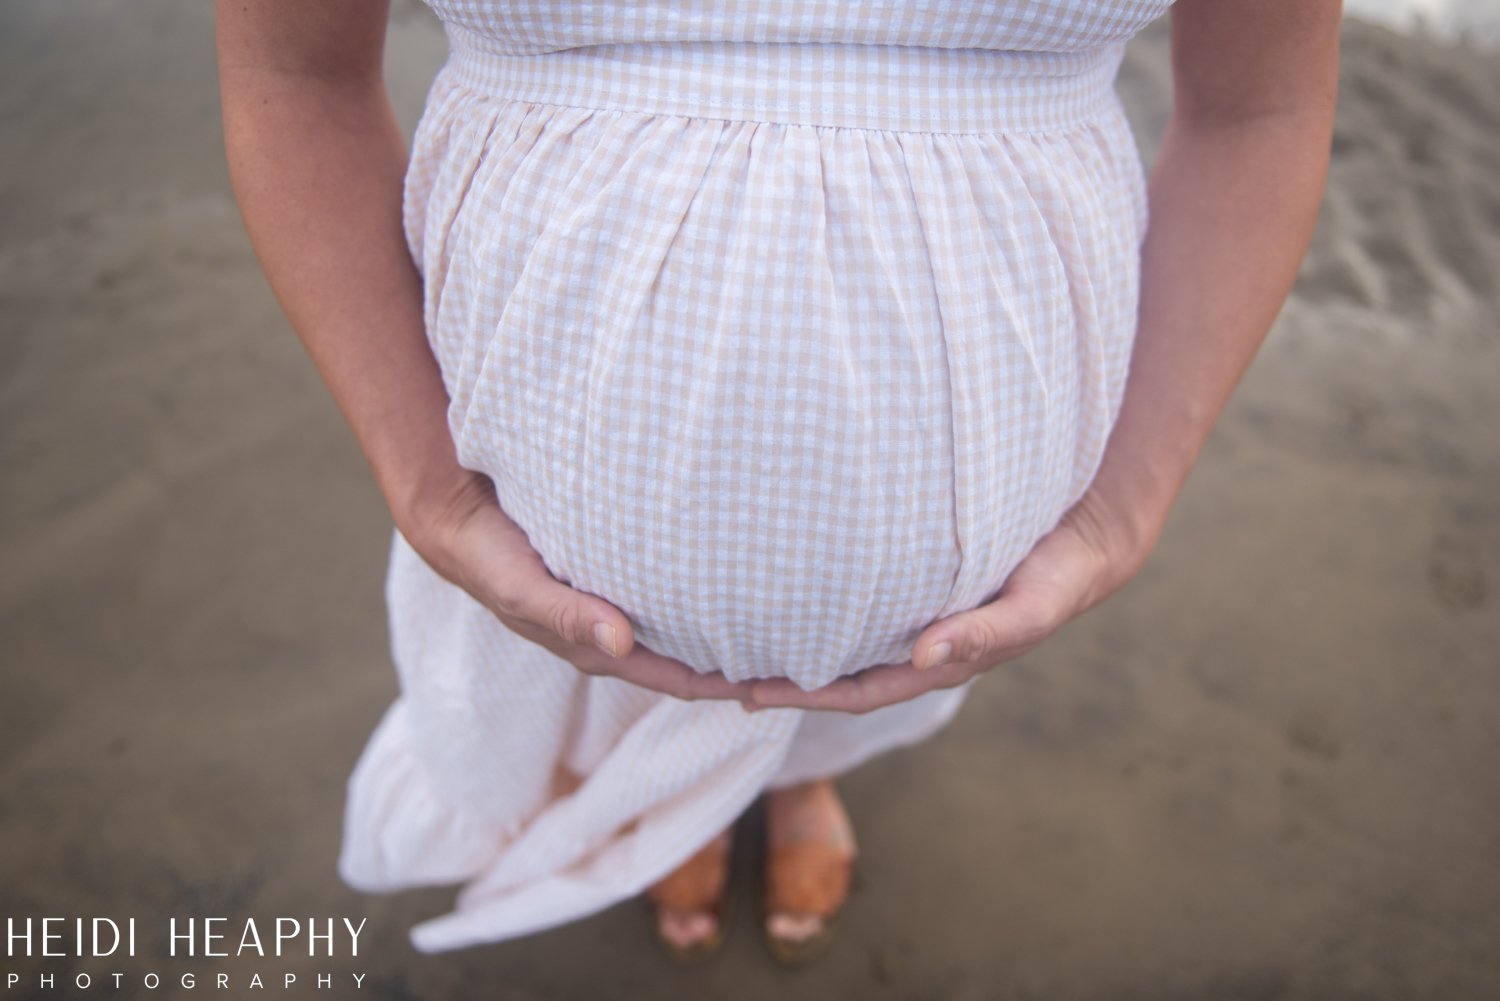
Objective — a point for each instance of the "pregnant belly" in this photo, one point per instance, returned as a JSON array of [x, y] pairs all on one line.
[[763, 496], [775, 510], [783, 395]]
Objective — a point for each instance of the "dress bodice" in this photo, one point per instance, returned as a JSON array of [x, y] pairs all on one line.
[[1020, 25]]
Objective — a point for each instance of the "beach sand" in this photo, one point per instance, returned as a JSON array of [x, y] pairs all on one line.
[[1267, 769]]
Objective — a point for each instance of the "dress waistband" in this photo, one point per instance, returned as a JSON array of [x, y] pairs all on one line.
[[896, 87]]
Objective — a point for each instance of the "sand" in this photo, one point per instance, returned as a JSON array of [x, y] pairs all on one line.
[[1266, 769]]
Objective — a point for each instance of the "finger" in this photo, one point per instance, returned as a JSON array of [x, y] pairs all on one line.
[[870, 689], [521, 587], [1051, 585], [842, 694], [990, 633], [672, 677], [579, 617], [642, 666]]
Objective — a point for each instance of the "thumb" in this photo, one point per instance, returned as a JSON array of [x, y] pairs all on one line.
[[577, 616], [1042, 592], [982, 633], [514, 574]]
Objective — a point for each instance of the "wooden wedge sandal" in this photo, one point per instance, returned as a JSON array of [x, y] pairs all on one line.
[[700, 885]]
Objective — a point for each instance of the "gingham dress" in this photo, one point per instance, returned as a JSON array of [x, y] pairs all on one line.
[[786, 326]]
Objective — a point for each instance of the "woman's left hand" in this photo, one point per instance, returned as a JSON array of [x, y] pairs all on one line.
[[1078, 564], [1254, 89]]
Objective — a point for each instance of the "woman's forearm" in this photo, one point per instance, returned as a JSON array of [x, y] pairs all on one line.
[[317, 163], [1232, 208]]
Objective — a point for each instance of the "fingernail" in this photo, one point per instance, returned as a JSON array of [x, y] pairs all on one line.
[[749, 707], [937, 654], [604, 638]]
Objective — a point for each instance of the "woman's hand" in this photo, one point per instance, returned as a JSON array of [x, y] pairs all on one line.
[[322, 206], [1234, 195], [1087, 557], [469, 540]]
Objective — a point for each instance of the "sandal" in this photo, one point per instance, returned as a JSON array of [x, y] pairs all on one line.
[[807, 880], [700, 885]]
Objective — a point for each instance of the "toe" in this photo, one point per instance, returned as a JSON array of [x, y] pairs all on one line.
[[793, 927], [685, 928]]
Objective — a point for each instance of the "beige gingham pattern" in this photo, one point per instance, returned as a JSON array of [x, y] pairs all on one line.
[[788, 328]]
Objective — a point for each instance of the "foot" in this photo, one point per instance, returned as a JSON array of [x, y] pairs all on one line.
[[689, 900], [810, 855]]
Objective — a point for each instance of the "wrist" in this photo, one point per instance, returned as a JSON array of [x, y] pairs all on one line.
[[429, 506], [1125, 510]]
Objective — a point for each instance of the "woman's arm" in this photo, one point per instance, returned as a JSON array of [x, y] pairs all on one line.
[[1233, 195], [317, 163]]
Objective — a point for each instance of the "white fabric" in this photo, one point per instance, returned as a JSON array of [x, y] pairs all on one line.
[[788, 328]]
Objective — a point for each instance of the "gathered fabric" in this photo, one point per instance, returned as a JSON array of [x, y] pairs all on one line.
[[787, 346]]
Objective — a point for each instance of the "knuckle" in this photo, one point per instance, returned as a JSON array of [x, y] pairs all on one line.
[[505, 602], [564, 618], [981, 637]]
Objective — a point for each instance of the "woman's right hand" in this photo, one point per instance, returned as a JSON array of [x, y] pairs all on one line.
[[323, 210], [467, 538]]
